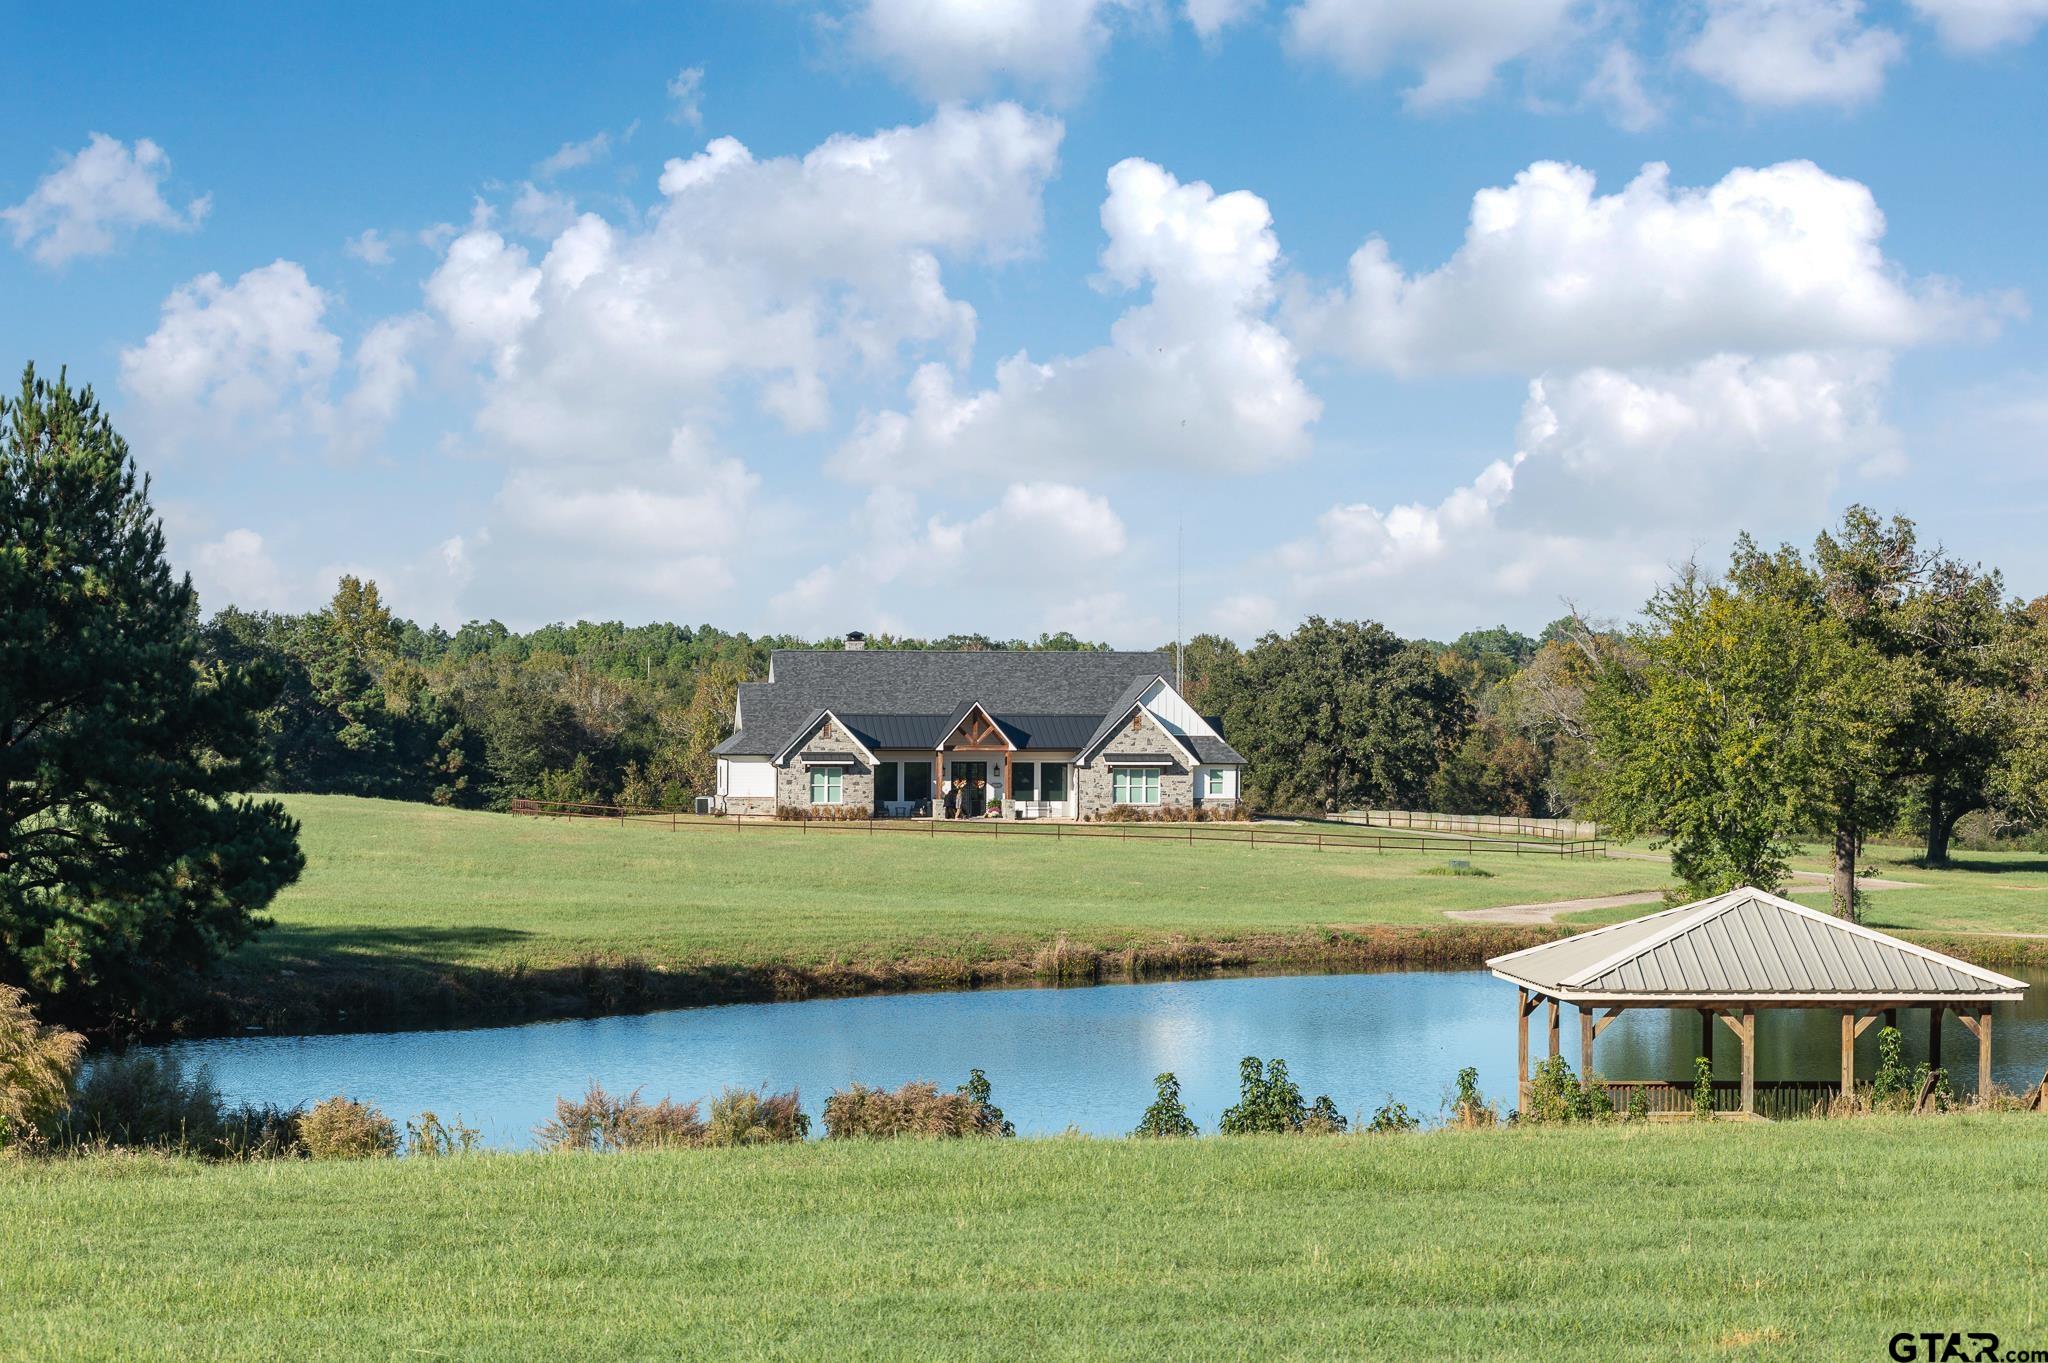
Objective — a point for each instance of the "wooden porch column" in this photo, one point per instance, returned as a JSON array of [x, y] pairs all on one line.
[[1934, 1036], [1590, 1028], [1742, 1022], [1553, 1027], [1984, 1056], [1848, 1053], [1524, 1005], [1980, 1027], [1749, 1060], [1585, 1048], [1707, 1035], [1891, 1018]]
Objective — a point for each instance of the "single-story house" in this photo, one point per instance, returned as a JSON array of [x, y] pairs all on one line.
[[1033, 735]]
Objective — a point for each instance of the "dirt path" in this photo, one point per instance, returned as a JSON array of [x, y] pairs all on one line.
[[1547, 913]]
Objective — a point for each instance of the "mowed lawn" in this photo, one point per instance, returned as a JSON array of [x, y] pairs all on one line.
[[401, 881], [1802, 1240]]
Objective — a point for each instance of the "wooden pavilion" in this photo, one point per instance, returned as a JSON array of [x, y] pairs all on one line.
[[1732, 956]]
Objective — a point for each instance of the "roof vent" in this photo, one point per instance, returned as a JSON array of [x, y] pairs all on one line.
[[855, 641]]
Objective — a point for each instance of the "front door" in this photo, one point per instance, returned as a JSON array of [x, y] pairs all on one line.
[[971, 780]]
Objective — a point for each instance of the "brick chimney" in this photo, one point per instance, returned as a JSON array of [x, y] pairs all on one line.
[[855, 641]]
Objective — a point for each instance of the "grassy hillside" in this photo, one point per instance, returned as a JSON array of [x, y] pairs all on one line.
[[405, 908], [1809, 1240], [408, 913]]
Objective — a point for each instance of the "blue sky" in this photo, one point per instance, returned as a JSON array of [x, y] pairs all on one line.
[[931, 315]]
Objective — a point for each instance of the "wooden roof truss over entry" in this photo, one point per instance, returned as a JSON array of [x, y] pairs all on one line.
[[1729, 956]]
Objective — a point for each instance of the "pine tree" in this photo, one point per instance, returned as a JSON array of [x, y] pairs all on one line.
[[127, 860]]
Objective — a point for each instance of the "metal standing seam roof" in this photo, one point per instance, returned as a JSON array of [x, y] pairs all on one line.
[[1746, 944]]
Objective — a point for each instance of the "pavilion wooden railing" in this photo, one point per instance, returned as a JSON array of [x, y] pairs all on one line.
[[1777, 1099], [1320, 837]]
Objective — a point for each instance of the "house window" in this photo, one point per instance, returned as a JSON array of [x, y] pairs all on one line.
[[1215, 786], [1135, 786], [917, 781], [826, 785], [1052, 781], [885, 781], [1021, 774]]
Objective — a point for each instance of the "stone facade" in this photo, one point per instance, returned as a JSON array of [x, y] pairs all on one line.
[[749, 804], [793, 782], [1095, 786]]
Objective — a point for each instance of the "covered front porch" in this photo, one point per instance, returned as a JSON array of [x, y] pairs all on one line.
[[1730, 959]]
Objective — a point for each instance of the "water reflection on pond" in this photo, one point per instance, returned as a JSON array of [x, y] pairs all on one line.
[[1059, 1058]]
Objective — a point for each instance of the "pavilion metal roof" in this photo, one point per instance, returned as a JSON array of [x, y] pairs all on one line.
[[1745, 945]]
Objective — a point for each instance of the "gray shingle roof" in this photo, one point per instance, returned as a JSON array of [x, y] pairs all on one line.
[[1054, 690], [1745, 944]]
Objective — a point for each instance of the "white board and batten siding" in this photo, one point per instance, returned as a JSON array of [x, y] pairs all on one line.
[[1175, 715]]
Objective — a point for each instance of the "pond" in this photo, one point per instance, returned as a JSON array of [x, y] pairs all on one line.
[[1081, 1058]]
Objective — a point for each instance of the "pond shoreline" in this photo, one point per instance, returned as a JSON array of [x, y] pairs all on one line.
[[392, 995], [350, 996]]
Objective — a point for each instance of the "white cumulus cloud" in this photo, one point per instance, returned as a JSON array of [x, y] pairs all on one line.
[[1194, 377], [101, 193], [1786, 52], [958, 49], [1455, 46], [1070, 538], [1553, 275], [780, 273], [1980, 25], [250, 358], [1617, 475]]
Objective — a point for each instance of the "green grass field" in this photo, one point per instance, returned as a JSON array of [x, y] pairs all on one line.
[[400, 902], [1807, 1240], [408, 913]]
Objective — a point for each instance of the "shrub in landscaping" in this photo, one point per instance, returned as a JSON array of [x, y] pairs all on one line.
[[1175, 814], [342, 1128], [1166, 1118], [601, 1123], [1391, 1116], [433, 1138], [750, 1117], [858, 1112], [1638, 1105], [823, 813], [37, 1067], [1269, 1101]]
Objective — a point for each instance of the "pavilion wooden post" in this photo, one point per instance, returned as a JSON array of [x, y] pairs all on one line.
[[1554, 1049], [1848, 1053], [1524, 1005], [1590, 1028], [1707, 1035], [1742, 1022], [1934, 1036], [1980, 1027], [1585, 1048]]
